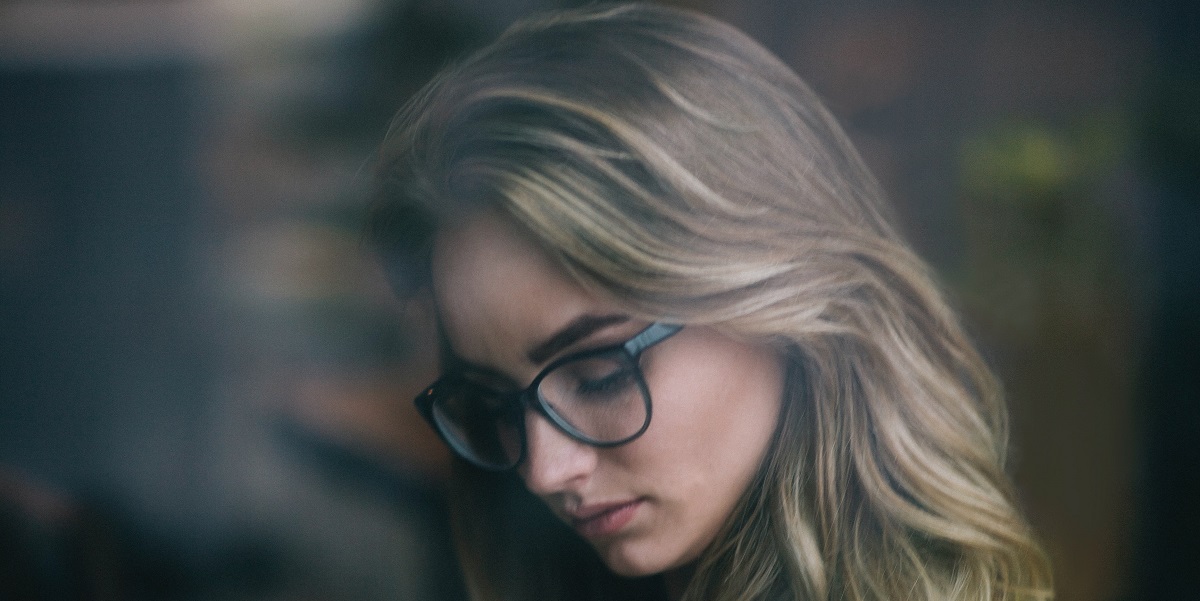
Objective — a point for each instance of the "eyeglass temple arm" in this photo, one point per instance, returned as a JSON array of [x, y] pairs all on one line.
[[650, 336]]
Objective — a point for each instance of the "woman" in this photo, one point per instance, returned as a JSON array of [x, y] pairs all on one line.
[[686, 353]]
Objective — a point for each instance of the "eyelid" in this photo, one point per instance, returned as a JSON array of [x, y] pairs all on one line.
[[500, 382], [605, 343]]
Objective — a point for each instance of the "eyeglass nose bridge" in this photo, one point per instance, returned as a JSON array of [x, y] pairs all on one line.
[[531, 404], [530, 398], [529, 401]]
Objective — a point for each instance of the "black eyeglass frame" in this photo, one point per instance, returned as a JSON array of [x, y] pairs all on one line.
[[517, 400]]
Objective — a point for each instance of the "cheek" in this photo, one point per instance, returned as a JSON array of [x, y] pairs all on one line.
[[717, 404], [725, 392]]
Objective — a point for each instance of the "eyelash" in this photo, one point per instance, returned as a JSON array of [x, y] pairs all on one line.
[[501, 382]]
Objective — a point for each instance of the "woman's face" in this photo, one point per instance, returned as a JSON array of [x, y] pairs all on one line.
[[655, 503]]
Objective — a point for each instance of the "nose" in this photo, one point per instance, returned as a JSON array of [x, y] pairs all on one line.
[[554, 462]]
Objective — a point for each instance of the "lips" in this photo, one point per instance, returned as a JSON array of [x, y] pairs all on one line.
[[604, 520]]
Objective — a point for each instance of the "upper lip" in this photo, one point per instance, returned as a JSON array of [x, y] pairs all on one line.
[[588, 512]]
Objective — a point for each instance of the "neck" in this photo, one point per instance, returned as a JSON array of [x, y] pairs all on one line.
[[677, 581]]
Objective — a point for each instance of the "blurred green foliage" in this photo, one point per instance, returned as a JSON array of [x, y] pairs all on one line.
[[1040, 214]]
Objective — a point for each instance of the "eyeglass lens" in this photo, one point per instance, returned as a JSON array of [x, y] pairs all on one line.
[[481, 425], [600, 399]]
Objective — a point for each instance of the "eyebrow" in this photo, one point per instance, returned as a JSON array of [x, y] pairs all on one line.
[[579, 328]]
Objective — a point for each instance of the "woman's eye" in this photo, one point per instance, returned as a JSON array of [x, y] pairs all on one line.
[[612, 383], [485, 400], [599, 379]]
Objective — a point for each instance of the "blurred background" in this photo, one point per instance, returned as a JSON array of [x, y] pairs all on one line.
[[205, 385]]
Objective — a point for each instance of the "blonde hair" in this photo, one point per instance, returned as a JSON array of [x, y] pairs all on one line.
[[667, 160]]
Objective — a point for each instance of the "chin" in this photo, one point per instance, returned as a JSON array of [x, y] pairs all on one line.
[[630, 560], [627, 569]]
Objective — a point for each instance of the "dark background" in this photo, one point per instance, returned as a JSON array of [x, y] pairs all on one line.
[[204, 383]]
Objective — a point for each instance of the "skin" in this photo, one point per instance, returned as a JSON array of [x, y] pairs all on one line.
[[716, 401]]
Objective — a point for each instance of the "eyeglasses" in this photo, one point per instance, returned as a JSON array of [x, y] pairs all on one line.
[[598, 397]]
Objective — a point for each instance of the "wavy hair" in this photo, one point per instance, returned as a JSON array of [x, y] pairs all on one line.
[[668, 161]]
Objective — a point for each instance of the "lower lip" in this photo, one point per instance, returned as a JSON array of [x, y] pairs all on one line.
[[608, 523]]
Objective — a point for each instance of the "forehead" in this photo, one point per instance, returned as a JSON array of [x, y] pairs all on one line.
[[498, 293]]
